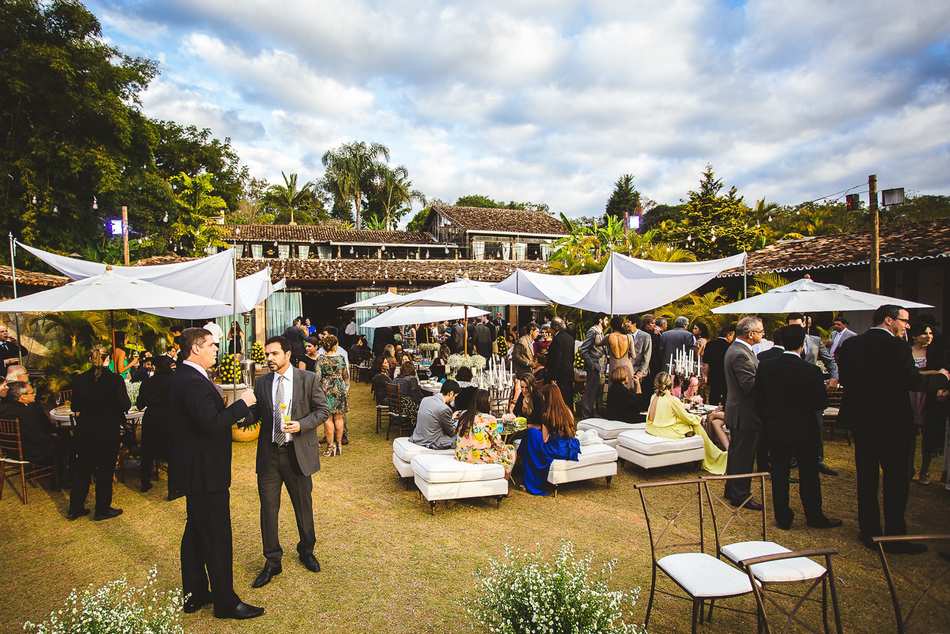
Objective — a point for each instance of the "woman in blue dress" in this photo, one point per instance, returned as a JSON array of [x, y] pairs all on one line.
[[550, 436]]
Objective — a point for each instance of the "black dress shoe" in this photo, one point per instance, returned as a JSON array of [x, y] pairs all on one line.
[[905, 548], [240, 611], [826, 470], [787, 524], [751, 505], [824, 522], [107, 514], [268, 573], [310, 562], [193, 605], [72, 515], [146, 486]]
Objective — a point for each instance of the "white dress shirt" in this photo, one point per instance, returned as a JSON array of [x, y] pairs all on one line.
[[288, 375], [200, 369]]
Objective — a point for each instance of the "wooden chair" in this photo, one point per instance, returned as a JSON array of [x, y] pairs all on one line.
[[392, 403], [923, 584], [701, 576], [829, 417], [65, 396], [767, 563], [12, 462]]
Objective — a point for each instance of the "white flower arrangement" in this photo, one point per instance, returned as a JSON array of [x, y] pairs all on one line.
[[429, 347], [117, 607], [524, 593], [455, 361], [133, 390]]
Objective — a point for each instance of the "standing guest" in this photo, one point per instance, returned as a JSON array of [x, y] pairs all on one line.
[[777, 349], [619, 344], [155, 397], [701, 335], [235, 336], [561, 361], [677, 339], [349, 332], [435, 426], [10, 348], [623, 402], [39, 445], [382, 337], [380, 379], [592, 352], [550, 436], [119, 363], [667, 418], [215, 330], [201, 469], [483, 337], [927, 359], [146, 368], [741, 417], [522, 354], [408, 382], [334, 381], [648, 324], [788, 390], [713, 363], [308, 329], [310, 356], [841, 332], [641, 347], [290, 407], [935, 425], [295, 336], [878, 372], [100, 402], [478, 439]]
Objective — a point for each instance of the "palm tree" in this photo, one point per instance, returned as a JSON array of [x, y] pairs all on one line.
[[288, 197], [351, 165], [376, 223], [397, 191]]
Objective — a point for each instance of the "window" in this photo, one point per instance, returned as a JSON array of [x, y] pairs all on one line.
[[520, 250], [533, 251], [324, 252], [303, 251], [478, 250], [257, 251], [505, 250], [545, 251], [283, 251]]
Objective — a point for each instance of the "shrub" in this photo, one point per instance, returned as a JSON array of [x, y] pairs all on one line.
[[257, 353], [117, 607], [524, 593]]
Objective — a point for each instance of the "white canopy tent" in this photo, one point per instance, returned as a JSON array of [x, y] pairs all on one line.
[[403, 315], [372, 302], [808, 296], [560, 289], [251, 291]]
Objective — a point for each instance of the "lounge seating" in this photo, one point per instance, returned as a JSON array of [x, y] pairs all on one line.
[[650, 452], [595, 461], [441, 477], [608, 430], [404, 451]]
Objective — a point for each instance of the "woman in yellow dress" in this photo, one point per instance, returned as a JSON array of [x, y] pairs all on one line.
[[668, 418]]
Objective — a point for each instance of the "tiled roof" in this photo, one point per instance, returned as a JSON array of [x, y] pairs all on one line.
[[322, 233], [507, 220], [30, 278], [919, 241], [387, 271]]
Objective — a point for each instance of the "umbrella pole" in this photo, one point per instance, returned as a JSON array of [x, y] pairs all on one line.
[[234, 313], [112, 329], [465, 330], [745, 277], [16, 316]]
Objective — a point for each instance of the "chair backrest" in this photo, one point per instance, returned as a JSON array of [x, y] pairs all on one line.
[[728, 521], [923, 584], [667, 505], [65, 396], [392, 396], [834, 396], [11, 447]]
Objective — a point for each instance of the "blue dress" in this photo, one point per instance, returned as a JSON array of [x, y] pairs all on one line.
[[537, 456]]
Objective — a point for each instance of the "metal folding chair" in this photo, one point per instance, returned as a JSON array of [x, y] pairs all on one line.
[[923, 585]]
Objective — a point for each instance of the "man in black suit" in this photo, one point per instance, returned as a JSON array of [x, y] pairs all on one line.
[[713, 363], [777, 349], [290, 407], [741, 418], [201, 469], [877, 371], [36, 431], [10, 349], [787, 392], [561, 361]]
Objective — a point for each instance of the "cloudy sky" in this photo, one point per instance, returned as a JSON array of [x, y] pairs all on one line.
[[551, 100]]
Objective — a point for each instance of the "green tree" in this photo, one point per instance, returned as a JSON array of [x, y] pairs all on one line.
[[624, 199], [349, 168], [395, 194], [193, 228], [290, 200]]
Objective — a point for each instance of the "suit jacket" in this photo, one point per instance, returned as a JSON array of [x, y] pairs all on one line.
[[775, 352], [676, 339], [788, 391], [815, 350], [839, 339], [483, 340], [101, 406], [201, 439], [740, 365], [308, 406], [561, 357], [522, 356], [877, 372], [434, 425], [592, 348], [36, 431], [641, 351]]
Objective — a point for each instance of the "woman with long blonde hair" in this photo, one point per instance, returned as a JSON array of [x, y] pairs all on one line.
[[668, 418]]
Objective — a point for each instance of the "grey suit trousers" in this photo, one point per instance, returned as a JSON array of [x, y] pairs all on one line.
[[283, 469]]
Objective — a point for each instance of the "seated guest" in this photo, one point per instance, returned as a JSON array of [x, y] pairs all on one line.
[[17, 374], [155, 398], [380, 379], [435, 425], [668, 418], [408, 382], [360, 352], [523, 399], [437, 369], [622, 400], [36, 431], [478, 437], [4, 389], [466, 390], [550, 436]]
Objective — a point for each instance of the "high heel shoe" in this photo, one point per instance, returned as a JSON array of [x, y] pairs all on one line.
[[330, 450]]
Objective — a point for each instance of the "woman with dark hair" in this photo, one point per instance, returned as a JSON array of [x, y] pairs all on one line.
[[550, 437], [929, 408], [334, 381], [118, 363], [235, 335], [155, 398], [701, 333], [408, 382], [308, 361], [478, 438], [621, 400], [359, 351], [523, 400], [380, 379], [619, 350]]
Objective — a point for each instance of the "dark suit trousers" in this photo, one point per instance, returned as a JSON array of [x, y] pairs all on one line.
[[809, 487], [566, 385], [100, 463], [206, 551], [717, 392], [593, 388], [888, 453], [743, 445], [283, 469]]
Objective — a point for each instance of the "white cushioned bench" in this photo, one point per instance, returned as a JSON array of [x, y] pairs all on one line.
[[595, 461], [608, 430], [441, 477], [404, 451], [650, 452]]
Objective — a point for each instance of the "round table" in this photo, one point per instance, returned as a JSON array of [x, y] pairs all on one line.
[[431, 388], [62, 416]]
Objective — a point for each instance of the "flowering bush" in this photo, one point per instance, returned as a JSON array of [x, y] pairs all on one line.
[[117, 607], [257, 353], [501, 344], [578, 360], [523, 593], [455, 361], [229, 370]]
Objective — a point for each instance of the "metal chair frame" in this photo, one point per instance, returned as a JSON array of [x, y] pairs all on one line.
[[392, 402], [889, 576], [10, 465]]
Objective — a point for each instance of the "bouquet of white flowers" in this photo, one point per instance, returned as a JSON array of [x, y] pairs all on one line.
[[455, 361]]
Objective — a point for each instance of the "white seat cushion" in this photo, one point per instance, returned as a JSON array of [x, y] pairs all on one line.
[[434, 491], [797, 569], [704, 576], [608, 429], [406, 450], [436, 468], [590, 455], [640, 441], [830, 411]]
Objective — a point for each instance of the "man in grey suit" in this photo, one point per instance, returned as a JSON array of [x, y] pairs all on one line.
[[435, 426], [592, 351], [290, 407], [741, 416], [842, 332]]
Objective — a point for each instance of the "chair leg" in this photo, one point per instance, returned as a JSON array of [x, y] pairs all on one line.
[[824, 604], [609, 479], [695, 615], [646, 621], [3, 478], [26, 494]]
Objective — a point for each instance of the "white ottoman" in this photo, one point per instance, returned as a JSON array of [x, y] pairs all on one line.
[[649, 452], [440, 477], [404, 451], [608, 430], [595, 461]]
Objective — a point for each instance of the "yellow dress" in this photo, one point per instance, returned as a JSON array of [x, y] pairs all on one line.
[[671, 420]]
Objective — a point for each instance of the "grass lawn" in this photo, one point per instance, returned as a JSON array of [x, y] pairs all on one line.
[[388, 566]]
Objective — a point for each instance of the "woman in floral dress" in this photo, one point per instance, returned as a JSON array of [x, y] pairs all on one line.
[[478, 437], [334, 379]]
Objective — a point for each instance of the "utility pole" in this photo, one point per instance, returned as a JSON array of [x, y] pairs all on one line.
[[125, 234], [875, 235]]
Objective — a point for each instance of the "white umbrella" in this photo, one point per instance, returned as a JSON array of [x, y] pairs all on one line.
[[808, 296], [372, 302], [403, 315]]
